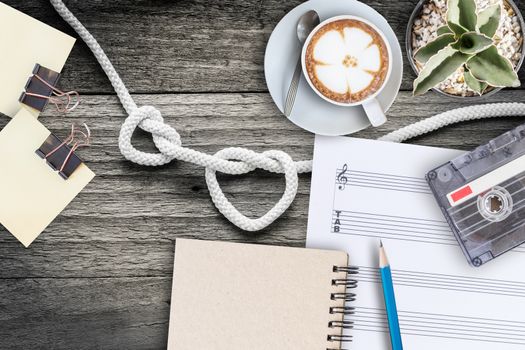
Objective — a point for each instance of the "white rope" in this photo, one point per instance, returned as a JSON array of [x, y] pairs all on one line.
[[488, 110], [237, 161]]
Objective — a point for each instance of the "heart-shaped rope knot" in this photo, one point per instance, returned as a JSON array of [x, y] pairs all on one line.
[[286, 165], [233, 161]]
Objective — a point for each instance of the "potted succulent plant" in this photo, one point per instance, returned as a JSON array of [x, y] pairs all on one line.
[[466, 47]]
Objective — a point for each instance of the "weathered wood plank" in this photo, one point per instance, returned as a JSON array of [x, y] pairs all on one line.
[[117, 248], [94, 313], [185, 46]]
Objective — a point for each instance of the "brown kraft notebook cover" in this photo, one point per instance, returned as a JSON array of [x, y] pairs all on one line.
[[230, 296]]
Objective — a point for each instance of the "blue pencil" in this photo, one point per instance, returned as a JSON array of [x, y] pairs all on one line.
[[390, 299]]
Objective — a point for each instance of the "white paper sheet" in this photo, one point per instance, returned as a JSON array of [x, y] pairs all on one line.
[[443, 302]]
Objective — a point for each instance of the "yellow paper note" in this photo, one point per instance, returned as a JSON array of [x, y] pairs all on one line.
[[31, 193], [24, 41]]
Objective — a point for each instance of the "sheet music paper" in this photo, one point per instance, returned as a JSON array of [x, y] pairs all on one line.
[[364, 190]]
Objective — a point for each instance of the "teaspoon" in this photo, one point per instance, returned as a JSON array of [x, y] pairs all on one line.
[[307, 22]]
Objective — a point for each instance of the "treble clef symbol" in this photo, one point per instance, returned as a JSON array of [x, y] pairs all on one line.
[[341, 178]]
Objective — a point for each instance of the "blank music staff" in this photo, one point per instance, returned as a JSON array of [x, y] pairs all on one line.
[[388, 226], [345, 177], [441, 325], [446, 282]]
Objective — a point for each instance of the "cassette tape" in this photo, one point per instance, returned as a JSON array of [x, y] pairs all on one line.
[[482, 195]]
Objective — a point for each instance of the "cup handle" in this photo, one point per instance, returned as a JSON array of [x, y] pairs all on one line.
[[374, 112]]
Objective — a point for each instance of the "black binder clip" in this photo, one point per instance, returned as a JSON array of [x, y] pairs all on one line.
[[60, 155], [41, 89]]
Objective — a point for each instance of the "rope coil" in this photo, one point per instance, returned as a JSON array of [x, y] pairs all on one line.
[[238, 161]]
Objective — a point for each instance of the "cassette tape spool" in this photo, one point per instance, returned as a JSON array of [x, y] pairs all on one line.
[[482, 195]]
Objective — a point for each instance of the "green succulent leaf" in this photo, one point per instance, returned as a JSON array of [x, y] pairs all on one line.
[[444, 30], [438, 68], [461, 15], [457, 29], [472, 42], [488, 20], [489, 66], [424, 53], [473, 83]]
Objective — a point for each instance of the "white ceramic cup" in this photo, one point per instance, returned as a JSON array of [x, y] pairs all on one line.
[[370, 104]]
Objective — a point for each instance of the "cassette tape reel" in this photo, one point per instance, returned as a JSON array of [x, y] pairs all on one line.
[[482, 195]]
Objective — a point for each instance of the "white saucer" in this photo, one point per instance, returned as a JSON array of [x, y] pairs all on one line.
[[310, 112]]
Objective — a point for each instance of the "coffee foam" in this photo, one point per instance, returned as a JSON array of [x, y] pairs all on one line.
[[347, 60]]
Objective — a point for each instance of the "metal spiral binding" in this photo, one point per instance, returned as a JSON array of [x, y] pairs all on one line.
[[343, 296], [347, 296], [341, 324], [351, 270]]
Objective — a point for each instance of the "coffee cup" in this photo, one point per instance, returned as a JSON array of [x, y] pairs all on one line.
[[347, 61]]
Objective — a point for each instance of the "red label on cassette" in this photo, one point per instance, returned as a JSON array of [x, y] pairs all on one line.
[[461, 193]]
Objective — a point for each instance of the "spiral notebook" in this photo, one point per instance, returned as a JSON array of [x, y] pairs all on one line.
[[232, 296]]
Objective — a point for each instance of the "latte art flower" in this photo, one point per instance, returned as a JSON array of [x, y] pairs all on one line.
[[350, 64], [347, 60]]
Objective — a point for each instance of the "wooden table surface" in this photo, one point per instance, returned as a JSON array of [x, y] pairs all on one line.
[[100, 275]]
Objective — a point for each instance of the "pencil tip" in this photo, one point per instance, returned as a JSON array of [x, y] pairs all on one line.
[[380, 243]]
